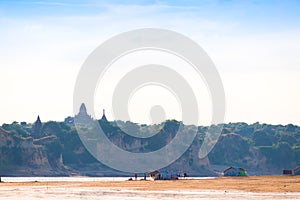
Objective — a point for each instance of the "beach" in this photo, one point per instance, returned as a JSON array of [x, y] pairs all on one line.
[[262, 187]]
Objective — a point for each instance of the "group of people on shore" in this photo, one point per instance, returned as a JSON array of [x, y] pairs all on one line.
[[136, 177], [145, 176]]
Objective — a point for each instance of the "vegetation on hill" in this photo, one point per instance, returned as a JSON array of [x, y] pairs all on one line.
[[261, 148]]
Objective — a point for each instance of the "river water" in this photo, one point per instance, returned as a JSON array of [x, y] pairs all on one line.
[[73, 179]]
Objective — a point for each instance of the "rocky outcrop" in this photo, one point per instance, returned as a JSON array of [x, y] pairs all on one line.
[[24, 157]]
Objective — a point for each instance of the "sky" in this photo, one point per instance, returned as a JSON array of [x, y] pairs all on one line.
[[254, 44]]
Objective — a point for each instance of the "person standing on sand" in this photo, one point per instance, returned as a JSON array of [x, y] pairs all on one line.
[[185, 175], [135, 176]]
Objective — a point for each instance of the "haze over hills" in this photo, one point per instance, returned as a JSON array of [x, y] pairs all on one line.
[[54, 148]]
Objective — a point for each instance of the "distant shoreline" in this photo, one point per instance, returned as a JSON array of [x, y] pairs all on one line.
[[249, 184]]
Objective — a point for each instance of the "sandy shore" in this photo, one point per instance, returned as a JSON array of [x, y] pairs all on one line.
[[248, 184]]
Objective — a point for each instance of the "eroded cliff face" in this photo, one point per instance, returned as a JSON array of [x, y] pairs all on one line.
[[24, 157], [233, 149], [58, 150], [43, 156]]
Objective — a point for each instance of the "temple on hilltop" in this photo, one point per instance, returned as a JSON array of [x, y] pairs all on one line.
[[103, 118], [37, 127], [83, 117]]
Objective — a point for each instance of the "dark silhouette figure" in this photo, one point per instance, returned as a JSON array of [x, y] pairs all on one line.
[[185, 175]]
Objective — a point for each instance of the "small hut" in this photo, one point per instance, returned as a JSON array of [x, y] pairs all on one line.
[[235, 171], [162, 175], [297, 171]]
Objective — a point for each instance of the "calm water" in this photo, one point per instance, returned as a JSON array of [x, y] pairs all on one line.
[[74, 179], [58, 179]]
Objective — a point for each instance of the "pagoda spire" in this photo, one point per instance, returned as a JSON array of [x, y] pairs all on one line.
[[103, 116], [37, 127], [82, 109], [83, 117]]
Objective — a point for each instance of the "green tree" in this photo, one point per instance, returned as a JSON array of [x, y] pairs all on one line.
[[261, 138]]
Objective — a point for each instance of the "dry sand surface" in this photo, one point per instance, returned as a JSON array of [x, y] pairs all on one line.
[[249, 184]]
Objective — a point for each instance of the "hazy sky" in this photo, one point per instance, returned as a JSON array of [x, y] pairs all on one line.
[[254, 44]]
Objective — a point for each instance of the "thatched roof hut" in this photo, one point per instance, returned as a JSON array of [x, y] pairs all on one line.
[[235, 171]]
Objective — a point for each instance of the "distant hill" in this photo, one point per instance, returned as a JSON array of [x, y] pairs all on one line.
[[54, 148]]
